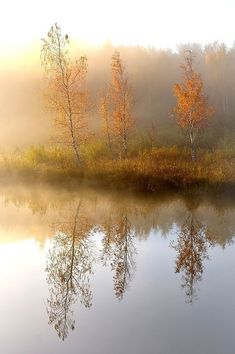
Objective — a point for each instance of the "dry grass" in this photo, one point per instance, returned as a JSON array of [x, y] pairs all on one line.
[[150, 171]]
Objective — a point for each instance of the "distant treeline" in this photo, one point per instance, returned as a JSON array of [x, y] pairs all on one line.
[[152, 74]]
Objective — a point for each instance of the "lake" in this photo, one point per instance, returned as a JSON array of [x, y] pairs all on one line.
[[96, 272]]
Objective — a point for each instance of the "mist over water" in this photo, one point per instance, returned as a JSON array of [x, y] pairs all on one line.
[[117, 177], [94, 271], [92, 264]]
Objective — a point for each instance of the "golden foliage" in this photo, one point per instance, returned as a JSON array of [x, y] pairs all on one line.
[[121, 98], [106, 120], [66, 89], [116, 108], [192, 109]]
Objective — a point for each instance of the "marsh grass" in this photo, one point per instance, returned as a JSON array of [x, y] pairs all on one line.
[[149, 171]]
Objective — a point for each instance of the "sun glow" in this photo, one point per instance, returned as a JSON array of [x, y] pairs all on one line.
[[148, 23]]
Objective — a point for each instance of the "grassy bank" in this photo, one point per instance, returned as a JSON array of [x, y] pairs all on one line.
[[148, 172]]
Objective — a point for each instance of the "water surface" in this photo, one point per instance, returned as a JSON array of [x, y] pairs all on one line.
[[94, 272]]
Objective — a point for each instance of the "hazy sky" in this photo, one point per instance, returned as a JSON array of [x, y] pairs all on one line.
[[146, 22]]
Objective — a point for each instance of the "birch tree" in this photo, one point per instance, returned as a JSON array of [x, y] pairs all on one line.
[[66, 89], [192, 110], [121, 103]]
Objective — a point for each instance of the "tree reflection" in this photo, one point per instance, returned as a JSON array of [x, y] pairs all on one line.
[[119, 249], [72, 255], [192, 249], [68, 268]]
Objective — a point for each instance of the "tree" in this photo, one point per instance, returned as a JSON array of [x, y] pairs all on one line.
[[66, 92], [106, 124], [121, 104], [192, 109]]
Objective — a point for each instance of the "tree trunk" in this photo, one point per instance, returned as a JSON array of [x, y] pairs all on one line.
[[193, 157], [193, 152], [124, 147], [76, 152], [71, 128]]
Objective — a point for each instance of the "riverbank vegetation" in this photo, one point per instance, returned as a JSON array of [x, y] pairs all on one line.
[[148, 171], [100, 141]]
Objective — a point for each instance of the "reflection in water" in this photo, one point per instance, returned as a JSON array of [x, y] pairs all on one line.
[[193, 241], [69, 266], [71, 259], [119, 249], [121, 222]]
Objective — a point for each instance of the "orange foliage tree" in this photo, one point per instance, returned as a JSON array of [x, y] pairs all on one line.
[[120, 106], [106, 123], [66, 90], [192, 109]]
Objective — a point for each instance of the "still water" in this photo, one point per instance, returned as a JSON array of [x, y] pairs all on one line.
[[93, 273]]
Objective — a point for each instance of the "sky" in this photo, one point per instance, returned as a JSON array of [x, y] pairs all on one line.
[[147, 22]]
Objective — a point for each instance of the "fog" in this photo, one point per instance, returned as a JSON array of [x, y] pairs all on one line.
[[38, 209], [24, 119]]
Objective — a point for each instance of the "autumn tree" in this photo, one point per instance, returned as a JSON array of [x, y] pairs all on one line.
[[66, 90], [192, 110], [121, 104], [106, 120]]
